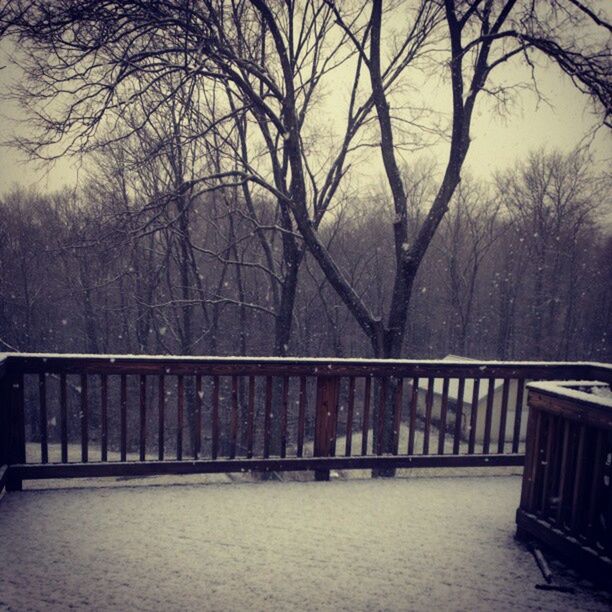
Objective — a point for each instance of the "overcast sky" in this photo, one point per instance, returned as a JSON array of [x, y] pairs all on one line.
[[496, 141]]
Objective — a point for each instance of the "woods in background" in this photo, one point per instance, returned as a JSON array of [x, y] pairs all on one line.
[[519, 269]]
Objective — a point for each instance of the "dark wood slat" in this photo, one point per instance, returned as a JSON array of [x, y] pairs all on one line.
[[268, 417], [198, 416], [349, 417], [84, 417], [334, 438], [428, 407], [488, 417], [530, 459], [546, 477], [180, 409], [144, 468], [251, 417], [501, 440], [301, 417], [536, 463], [123, 385], [413, 415], [474, 416], [42, 396], [143, 416], [578, 479], [161, 411], [518, 414], [563, 474], [443, 416], [380, 423], [596, 483], [458, 417], [365, 426], [234, 418], [64, 418], [103, 417], [284, 416], [284, 413], [397, 413], [16, 433], [215, 418]]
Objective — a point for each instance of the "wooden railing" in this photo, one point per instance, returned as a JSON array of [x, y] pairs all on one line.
[[76, 415], [566, 499]]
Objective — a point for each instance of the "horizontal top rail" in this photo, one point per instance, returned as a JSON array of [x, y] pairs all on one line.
[[32, 363], [570, 400]]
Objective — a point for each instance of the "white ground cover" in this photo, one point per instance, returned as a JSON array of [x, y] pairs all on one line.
[[400, 544]]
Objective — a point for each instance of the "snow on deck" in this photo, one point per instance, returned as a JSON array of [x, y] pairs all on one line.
[[400, 544]]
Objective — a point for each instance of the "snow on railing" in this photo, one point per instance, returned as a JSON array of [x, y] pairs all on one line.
[[90, 415]]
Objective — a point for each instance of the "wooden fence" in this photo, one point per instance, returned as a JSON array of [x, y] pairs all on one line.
[[566, 499], [76, 415]]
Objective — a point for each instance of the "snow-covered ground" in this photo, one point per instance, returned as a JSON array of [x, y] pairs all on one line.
[[400, 544]]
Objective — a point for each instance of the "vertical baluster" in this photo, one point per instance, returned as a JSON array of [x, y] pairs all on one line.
[[530, 459], [84, 420], [63, 418], [443, 416], [285, 409], [366, 415], [180, 391], [42, 395], [518, 413], [596, 484], [234, 418], [16, 434], [215, 417], [198, 424], [328, 388], [268, 417], [458, 417], [428, 407], [578, 486], [103, 417], [474, 416], [397, 413], [563, 473], [550, 438], [488, 417], [143, 416], [384, 384], [501, 440], [413, 415], [123, 417], [251, 417], [536, 463], [301, 417], [161, 409], [349, 417]]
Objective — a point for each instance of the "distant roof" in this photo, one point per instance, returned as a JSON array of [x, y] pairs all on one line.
[[453, 383]]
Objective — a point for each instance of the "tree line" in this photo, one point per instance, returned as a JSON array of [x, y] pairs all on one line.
[[519, 268]]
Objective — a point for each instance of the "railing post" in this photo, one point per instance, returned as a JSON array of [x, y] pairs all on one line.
[[14, 424], [4, 415], [328, 388]]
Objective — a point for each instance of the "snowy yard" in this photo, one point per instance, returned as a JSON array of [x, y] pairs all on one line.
[[401, 544]]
